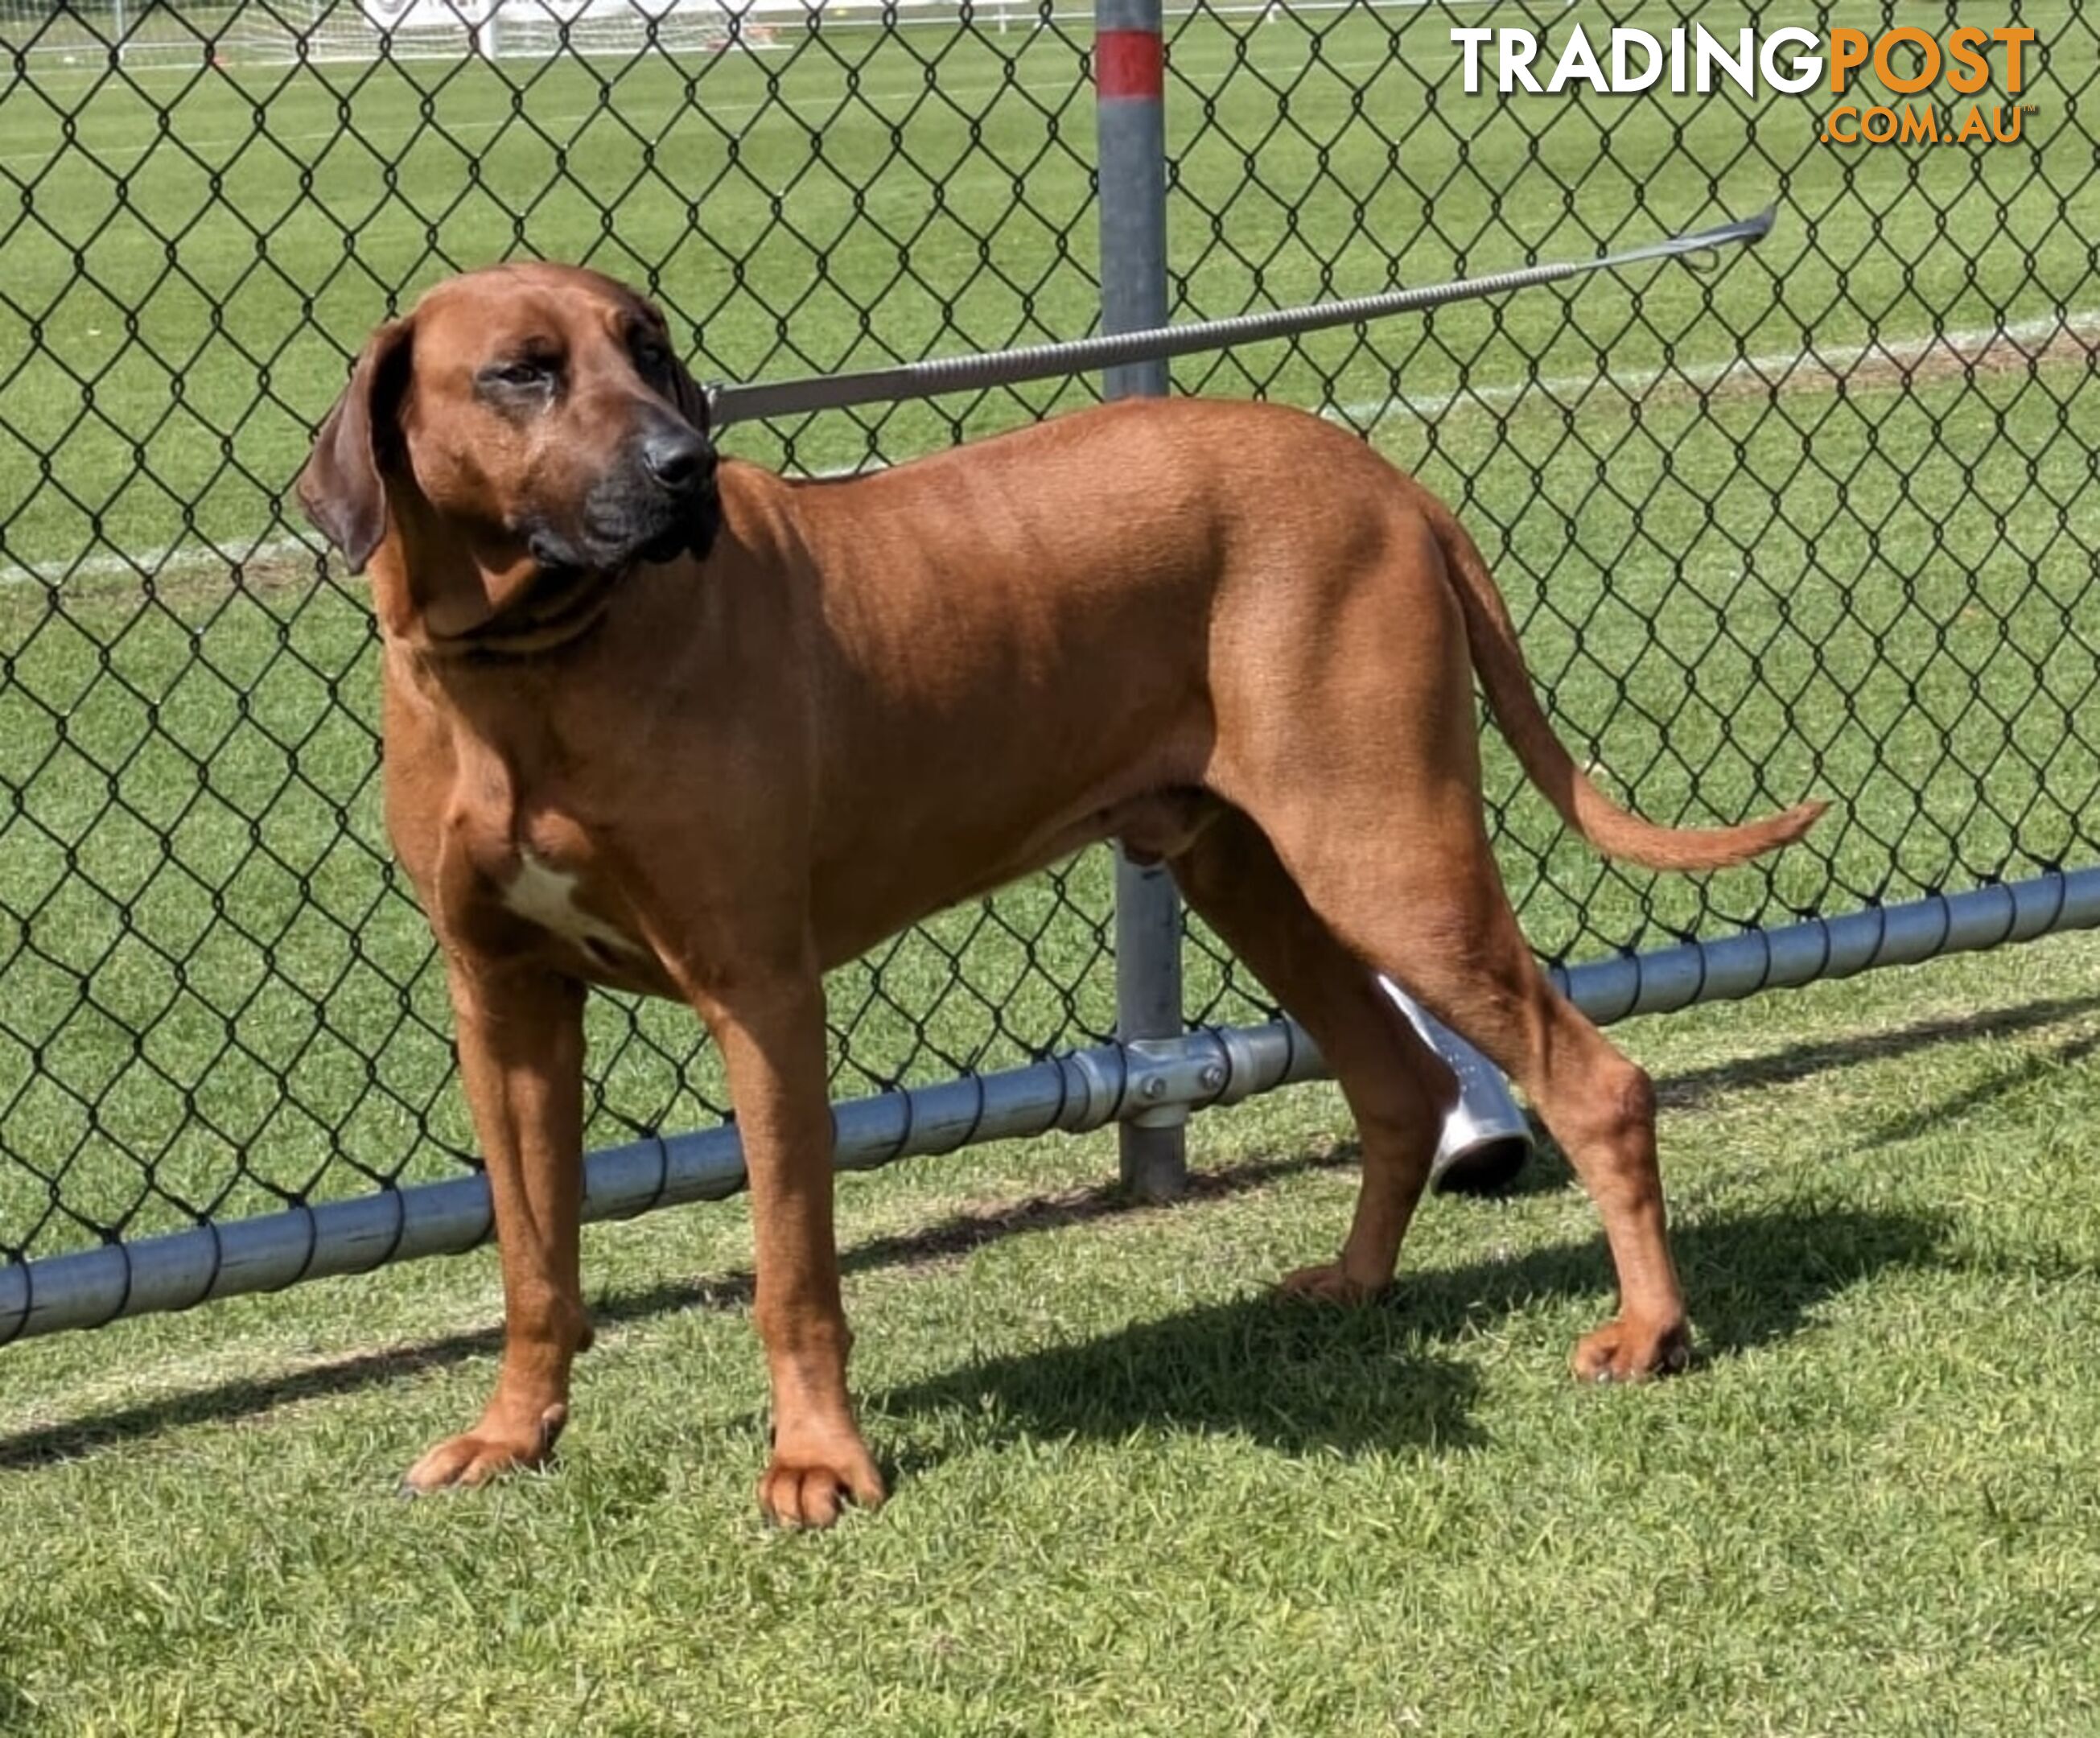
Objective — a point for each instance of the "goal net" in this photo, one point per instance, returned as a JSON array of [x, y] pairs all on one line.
[[150, 33], [326, 30], [517, 29]]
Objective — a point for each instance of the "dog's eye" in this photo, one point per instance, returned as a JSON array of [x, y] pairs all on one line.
[[651, 358], [520, 371]]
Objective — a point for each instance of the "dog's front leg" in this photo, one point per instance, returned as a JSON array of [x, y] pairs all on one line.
[[521, 1050], [771, 1035]]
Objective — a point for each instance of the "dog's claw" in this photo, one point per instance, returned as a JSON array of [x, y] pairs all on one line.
[[810, 1492], [1325, 1284], [1621, 1351], [473, 1458]]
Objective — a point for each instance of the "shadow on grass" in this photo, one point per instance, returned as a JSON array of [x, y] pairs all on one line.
[[1548, 1171], [1293, 1374], [1696, 1087], [1751, 1279], [945, 1240], [1288, 1374], [1301, 1376], [1950, 1112]]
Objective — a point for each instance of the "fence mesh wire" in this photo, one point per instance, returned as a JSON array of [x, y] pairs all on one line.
[[1819, 522]]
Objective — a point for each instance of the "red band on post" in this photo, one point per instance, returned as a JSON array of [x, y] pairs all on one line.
[[1129, 63]]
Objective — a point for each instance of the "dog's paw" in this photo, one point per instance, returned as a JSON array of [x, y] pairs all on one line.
[[1622, 1350], [484, 1452], [1328, 1284], [811, 1489]]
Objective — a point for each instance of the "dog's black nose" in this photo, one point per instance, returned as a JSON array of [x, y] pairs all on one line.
[[677, 456]]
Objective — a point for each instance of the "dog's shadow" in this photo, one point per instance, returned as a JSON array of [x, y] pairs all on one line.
[[1287, 1374], [1382, 1377]]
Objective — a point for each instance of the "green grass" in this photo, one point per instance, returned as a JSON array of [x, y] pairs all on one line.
[[1132, 1494]]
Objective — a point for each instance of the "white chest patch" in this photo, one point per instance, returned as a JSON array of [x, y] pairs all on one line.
[[548, 897]]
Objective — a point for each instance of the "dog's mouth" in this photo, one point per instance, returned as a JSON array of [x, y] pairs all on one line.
[[620, 531], [576, 576], [692, 533]]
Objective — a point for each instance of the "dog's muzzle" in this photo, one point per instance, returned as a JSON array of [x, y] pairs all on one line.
[[659, 502]]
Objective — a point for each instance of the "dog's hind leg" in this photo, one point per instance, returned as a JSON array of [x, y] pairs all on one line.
[[1398, 1088], [1423, 901]]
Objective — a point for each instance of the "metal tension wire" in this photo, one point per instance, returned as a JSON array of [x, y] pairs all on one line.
[[730, 403]]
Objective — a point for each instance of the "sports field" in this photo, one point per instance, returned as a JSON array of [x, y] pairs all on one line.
[[1819, 521]]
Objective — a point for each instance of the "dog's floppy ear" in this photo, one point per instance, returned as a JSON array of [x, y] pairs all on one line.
[[342, 489], [689, 396], [687, 393]]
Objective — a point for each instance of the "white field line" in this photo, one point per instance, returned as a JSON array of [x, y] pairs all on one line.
[[148, 562], [1772, 368], [1822, 362]]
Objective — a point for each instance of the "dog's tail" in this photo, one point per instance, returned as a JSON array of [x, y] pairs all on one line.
[[1612, 829]]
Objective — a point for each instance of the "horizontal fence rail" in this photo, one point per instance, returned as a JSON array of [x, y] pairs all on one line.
[[1073, 1094]]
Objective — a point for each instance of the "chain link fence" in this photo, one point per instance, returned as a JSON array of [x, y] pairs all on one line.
[[1822, 521]]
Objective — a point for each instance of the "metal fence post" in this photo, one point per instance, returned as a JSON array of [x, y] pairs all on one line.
[[1129, 60]]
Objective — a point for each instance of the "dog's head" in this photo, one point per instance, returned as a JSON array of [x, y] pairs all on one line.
[[508, 449]]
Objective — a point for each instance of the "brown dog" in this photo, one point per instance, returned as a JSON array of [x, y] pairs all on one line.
[[706, 734]]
